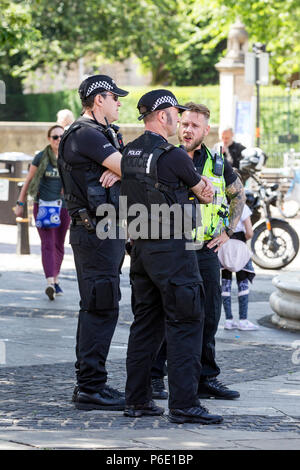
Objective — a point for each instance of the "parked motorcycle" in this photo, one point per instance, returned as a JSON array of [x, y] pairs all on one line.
[[274, 243]]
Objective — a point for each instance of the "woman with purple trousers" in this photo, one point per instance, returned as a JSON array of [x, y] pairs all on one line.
[[43, 183]]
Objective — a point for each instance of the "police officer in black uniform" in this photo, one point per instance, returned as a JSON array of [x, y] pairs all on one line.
[[89, 164], [166, 284], [193, 128]]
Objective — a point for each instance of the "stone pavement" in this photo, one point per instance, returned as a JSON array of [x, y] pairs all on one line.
[[37, 339]]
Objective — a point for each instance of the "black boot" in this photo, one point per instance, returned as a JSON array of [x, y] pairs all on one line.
[[195, 414], [75, 392], [147, 409], [212, 388], [158, 389], [106, 398]]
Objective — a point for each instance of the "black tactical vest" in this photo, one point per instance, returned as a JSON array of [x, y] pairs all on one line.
[[140, 180], [85, 191]]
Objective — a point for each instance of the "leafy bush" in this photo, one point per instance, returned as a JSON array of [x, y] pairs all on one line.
[[40, 107]]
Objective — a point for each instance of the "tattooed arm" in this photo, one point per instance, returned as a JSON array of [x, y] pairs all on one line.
[[236, 194]]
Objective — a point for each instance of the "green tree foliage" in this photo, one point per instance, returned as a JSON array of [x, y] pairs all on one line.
[[273, 22], [152, 30], [16, 36], [157, 32], [178, 40], [16, 30], [198, 60]]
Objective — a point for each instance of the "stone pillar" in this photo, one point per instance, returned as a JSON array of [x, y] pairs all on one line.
[[2, 92], [236, 96], [286, 301]]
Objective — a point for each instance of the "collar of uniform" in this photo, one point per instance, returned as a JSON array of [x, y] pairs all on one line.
[[200, 156], [156, 134], [84, 118]]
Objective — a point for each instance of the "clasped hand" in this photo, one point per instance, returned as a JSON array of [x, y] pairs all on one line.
[[108, 179], [207, 193]]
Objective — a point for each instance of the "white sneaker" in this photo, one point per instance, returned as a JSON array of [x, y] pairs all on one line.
[[230, 325], [246, 325], [50, 291]]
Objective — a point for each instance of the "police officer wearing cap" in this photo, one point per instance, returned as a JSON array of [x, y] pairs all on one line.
[[89, 164], [167, 292], [227, 205]]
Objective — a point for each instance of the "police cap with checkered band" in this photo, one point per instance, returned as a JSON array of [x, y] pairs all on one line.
[[155, 100], [98, 84]]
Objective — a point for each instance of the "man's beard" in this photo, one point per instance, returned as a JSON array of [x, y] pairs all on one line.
[[193, 145]]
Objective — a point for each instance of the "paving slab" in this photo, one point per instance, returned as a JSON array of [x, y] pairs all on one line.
[[7, 445], [269, 444], [37, 354], [207, 438]]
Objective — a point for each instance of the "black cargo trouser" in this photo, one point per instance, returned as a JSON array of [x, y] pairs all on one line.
[[167, 297], [98, 264], [209, 267]]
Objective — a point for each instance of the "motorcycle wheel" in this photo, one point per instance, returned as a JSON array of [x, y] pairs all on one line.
[[283, 250]]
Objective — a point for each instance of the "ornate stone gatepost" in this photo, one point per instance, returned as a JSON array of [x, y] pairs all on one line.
[[236, 96], [286, 301]]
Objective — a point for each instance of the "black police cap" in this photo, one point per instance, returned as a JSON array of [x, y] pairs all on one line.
[[155, 100], [98, 84]]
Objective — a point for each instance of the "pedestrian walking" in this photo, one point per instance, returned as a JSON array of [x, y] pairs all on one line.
[[167, 291], [89, 163], [43, 183]]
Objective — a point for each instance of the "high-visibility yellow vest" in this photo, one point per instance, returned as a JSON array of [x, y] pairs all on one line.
[[212, 214]]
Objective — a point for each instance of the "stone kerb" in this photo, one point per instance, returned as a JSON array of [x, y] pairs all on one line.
[[285, 302]]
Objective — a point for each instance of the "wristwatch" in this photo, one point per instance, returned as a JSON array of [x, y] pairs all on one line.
[[19, 203], [229, 231]]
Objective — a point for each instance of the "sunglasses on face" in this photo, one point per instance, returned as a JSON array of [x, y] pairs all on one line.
[[55, 137], [114, 97]]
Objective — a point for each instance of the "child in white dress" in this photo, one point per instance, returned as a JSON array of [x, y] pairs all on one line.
[[235, 257]]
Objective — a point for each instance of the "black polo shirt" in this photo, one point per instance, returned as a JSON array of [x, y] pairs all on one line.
[[83, 147], [235, 150], [87, 144], [175, 166]]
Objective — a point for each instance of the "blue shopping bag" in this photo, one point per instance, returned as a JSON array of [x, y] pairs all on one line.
[[48, 215]]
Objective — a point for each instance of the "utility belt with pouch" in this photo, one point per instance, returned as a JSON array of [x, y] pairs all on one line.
[[84, 219]]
